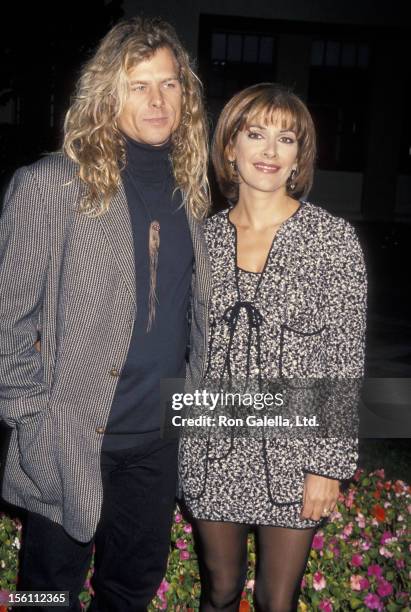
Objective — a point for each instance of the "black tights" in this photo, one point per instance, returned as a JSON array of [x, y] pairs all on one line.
[[281, 560]]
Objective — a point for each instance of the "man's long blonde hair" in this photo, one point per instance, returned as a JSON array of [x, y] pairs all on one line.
[[91, 135]]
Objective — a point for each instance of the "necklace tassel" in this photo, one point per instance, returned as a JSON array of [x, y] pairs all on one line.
[[153, 248]]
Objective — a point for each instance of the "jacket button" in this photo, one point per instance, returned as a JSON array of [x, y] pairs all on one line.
[[114, 372], [100, 430]]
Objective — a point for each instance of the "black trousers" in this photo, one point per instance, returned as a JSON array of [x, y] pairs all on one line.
[[131, 542]]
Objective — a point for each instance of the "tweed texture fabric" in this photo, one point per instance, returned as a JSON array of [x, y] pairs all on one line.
[[70, 278], [307, 315]]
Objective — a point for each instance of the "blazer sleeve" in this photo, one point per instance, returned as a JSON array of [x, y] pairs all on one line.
[[24, 256], [336, 454]]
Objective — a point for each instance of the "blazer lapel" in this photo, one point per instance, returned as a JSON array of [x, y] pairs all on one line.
[[116, 225]]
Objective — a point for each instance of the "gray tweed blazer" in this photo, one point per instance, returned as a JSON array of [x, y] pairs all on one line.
[[72, 279]]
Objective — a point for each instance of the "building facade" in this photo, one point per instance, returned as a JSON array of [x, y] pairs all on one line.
[[347, 60]]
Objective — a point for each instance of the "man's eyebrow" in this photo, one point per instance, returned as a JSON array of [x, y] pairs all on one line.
[[143, 82]]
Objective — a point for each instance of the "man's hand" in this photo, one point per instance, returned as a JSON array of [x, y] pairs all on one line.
[[320, 496]]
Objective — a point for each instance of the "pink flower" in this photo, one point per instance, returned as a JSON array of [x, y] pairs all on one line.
[[365, 545], [364, 584], [385, 552], [373, 602], [350, 498], [184, 555], [356, 560], [318, 542], [325, 605], [319, 582], [374, 570], [347, 531], [355, 582], [178, 517], [384, 588], [360, 520], [164, 586], [380, 473], [386, 537], [187, 528], [336, 551], [400, 563], [358, 473], [250, 585], [303, 583], [181, 544]]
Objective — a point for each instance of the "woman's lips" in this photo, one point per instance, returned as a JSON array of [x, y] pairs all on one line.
[[266, 168]]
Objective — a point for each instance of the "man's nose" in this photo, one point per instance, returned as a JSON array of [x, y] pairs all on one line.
[[157, 98]]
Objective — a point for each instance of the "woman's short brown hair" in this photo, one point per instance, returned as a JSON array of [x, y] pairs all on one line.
[[269, 102]]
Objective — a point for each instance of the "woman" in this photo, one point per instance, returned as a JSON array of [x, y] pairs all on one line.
[[288, 305]]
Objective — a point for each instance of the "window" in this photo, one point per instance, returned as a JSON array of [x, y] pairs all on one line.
[[345, 54], [234, 53], [242, 48], [337, 98]]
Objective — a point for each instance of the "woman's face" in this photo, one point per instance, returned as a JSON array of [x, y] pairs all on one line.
[[265, 156]]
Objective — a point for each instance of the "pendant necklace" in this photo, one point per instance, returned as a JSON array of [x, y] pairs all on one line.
[[153, 249]]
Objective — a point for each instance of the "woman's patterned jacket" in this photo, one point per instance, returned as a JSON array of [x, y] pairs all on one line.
[[312, 300]]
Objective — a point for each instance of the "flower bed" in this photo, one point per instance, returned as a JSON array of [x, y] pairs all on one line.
[[359, 561]]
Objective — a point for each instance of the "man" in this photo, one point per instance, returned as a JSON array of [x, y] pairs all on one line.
[[97, 246]]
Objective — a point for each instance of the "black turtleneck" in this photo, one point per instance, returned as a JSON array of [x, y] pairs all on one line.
[[159, 353]]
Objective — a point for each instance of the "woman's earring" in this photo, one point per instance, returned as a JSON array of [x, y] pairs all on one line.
[[233, 165], [292, 177]]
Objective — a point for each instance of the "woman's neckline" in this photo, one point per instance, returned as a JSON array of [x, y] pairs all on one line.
[[242, 270], [292, 216], [279, 230]]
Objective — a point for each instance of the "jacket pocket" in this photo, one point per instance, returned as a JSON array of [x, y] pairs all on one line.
[[36, 440], [284, 469], [302, 354], [192, 465]]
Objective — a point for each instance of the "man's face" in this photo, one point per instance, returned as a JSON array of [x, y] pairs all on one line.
[[152, 111]]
